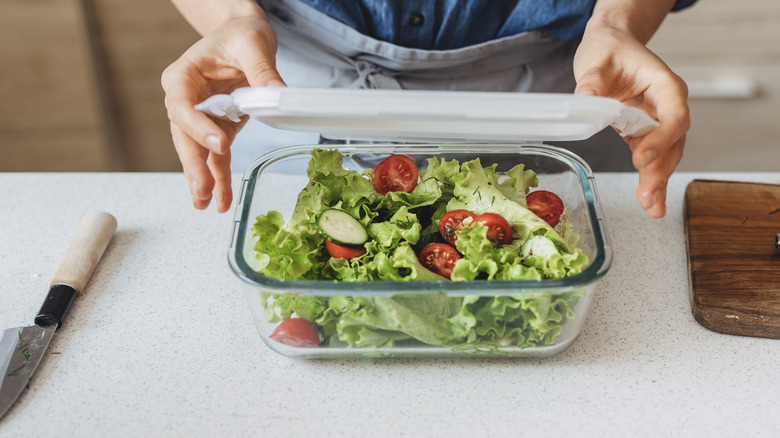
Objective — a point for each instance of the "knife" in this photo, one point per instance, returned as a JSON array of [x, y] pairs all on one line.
[[22, 348]]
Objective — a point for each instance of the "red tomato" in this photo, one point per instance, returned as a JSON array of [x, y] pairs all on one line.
[[397, 173], [343, 252], [296, 332], [547, 205], [499, 230], [439, 258], [451, 222]]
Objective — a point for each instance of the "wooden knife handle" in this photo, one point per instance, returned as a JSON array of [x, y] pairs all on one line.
[[81, 258], [95, 232]]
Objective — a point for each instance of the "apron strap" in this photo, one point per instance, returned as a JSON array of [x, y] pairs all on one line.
[[371, 76]]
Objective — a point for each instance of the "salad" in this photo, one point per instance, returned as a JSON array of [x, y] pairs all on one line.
[[450, 221]]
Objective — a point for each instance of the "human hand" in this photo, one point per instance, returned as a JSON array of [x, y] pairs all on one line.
[[613, 63], [239, 53]]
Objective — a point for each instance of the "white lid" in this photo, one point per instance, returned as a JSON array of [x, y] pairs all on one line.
[[415, 115]]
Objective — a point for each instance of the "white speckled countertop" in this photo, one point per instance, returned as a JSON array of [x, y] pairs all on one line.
[[162, 343]]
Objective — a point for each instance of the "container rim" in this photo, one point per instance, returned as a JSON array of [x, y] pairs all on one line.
[[597, 268]]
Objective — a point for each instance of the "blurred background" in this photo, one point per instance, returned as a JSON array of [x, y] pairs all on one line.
[[80, 83]]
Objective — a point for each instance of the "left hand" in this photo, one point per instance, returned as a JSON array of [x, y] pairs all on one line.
[[613, 63]]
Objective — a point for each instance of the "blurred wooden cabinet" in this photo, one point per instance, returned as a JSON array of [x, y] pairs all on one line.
[[50, 116], [729, 54], [80, 84]]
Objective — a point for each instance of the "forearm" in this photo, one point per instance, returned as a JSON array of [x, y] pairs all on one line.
[[205, 16], [640, 18]]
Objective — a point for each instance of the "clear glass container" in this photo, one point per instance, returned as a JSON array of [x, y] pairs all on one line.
[[274, 181]]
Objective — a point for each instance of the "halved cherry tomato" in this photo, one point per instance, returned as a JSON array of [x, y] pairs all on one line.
[[296, 332], [499, 231], [396, 173], [343, 252], [451, 222], [547, 205], [440, 258]]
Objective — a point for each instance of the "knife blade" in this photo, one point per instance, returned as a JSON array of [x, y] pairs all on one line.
[[23, 348]]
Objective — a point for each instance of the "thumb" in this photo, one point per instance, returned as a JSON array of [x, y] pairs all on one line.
[[257, 60], [589, 84], [263, 74]]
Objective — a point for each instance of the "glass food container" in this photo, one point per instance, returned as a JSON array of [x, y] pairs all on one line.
[[496, 318]]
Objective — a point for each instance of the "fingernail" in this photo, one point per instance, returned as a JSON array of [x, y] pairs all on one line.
[[656, 196], [646, 201], [194, 189], [587, 92], [650, 199], [212, 142], [648, 157]]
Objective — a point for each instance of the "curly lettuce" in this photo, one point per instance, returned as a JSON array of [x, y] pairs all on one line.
[[466, 323], [398, 225]]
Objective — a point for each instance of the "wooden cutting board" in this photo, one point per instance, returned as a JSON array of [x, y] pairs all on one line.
[[733, 267]]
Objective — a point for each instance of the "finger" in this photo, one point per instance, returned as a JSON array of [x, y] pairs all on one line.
[[219, 164], [647, 149], [196, 170], [182, 87], [220, 169], [210, 177], [653, 180], [231, 128], [670, 107]]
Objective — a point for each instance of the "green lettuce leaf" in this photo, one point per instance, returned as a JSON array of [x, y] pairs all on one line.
[[401, 226], [289, 255], [482, 259], [398, 224], [480, 191], [465, 323]]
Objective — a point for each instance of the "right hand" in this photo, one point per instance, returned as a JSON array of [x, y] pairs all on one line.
[[240, 53], [613, 61]]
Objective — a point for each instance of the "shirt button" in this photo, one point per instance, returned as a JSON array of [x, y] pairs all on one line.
[[416, 19]]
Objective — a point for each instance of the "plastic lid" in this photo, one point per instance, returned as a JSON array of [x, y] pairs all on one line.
[[414, 115]]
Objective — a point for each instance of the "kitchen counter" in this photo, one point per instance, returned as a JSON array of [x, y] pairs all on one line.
[[162, 342]]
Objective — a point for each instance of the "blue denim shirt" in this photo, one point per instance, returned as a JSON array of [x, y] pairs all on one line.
[[452, 24]]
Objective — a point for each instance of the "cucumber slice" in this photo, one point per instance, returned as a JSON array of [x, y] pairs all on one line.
[[341, 228], [539, 246]]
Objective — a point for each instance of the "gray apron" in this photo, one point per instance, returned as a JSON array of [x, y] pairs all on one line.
[[318, 51]]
